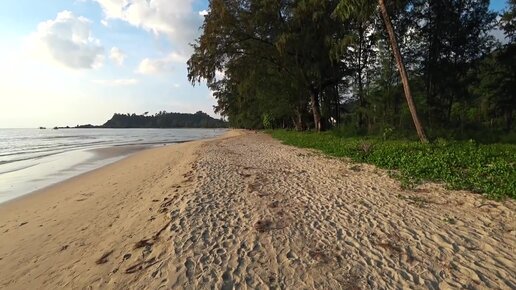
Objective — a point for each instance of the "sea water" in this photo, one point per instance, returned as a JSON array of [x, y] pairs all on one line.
[[31, 159]]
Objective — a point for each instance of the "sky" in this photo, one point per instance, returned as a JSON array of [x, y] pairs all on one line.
[[70, 62]]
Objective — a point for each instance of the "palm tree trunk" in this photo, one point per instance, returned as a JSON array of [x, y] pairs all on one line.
[[403, 73]]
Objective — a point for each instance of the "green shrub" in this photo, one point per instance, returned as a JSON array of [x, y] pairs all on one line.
[[267, 121], [488, 169]]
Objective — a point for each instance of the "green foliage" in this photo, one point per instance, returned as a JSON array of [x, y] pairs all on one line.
[[294, 59], [267, 121], [488, 169], [387, 133], [359, 9], [164, 120], [508, 21], [275, 56]]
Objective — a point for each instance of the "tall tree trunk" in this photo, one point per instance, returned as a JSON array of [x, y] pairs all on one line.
[[403, 73], [314, 99], [508, 120], [337, 106], [362, 103], [298, 121]]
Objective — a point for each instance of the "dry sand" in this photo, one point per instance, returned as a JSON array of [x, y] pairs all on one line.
[[246, 212]]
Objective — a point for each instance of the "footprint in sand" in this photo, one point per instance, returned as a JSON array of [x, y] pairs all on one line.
[[227, 280], [104, 258], [190, 268]]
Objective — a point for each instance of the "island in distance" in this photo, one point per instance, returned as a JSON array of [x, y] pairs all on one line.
[[159, 120]]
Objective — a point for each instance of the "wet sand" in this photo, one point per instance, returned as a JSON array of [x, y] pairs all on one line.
[[17, 183], [245, 212]]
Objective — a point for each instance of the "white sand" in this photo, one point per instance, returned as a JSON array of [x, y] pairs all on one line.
[[246, 212]]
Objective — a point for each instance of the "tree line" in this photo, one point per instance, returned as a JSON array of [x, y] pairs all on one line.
[[364, 65], [164, 120]]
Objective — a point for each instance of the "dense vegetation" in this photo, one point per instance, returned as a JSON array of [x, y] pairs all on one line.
[[331, 63], [164, 120], [488, 169]]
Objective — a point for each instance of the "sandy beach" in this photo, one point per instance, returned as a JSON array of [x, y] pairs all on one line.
[[243, 211]]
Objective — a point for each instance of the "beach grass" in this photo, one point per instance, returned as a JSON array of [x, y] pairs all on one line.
[[486, 169]]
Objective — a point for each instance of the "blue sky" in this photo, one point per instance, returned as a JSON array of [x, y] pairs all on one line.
[[498, 5], [76, 62]]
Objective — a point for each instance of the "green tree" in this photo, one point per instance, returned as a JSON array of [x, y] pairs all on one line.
[[349, 8], [292, 38], [508, 21]]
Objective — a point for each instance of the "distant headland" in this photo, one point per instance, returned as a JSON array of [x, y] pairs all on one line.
[[161, 119]]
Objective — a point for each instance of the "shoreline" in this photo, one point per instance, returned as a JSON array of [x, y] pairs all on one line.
[[102, 162], [104, 157], [41, 172], [98, 158]]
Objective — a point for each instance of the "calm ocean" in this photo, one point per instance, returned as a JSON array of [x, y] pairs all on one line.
[[31, 159]]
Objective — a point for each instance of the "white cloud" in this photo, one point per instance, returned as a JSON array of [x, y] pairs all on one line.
[[67, 40], [174, 18], [104, 22], [160, 65], [149, 66], [203, 12], [176, 57], [117, 82], [117, 55]]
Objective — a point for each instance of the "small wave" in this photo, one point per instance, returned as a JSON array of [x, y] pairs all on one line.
[[68, 137], [40, 149], [18, 169], [3, 162], [155, 142]]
